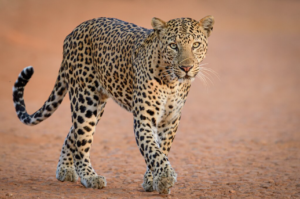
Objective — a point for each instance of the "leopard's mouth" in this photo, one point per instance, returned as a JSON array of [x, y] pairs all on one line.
[[187, 76], [183, 76]]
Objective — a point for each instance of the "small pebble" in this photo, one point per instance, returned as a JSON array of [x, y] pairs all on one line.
[[265, 186], [231, 191], [9, 194]]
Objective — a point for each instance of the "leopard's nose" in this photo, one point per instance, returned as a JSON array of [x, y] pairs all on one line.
[[186, 68]]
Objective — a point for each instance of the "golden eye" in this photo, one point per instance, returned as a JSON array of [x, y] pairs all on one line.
[[196, 44], [173, 46]]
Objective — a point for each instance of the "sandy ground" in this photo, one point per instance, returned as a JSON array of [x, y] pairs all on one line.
[[239, 137]]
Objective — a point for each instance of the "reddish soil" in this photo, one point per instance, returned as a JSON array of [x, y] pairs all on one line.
[[238, 138]]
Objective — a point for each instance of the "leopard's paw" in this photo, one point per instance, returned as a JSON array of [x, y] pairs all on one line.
[[165, 180], [66, 174], [96, 182], [148, 181]]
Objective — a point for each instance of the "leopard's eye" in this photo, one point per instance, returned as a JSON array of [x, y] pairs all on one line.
[[196, 44], [173, 46]]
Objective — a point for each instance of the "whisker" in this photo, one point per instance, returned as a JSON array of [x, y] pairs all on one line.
[[209, 74], [208, 69], [202, 78], [202, 74], [202, 64], [208, 78]]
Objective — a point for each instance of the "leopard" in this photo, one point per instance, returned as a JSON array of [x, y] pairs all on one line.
[[148, 72]]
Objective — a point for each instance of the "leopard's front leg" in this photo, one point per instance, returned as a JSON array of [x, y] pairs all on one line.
[[148, 181], [164, 176], [166, 132]]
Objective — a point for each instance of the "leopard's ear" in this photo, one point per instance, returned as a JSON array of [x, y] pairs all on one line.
[[158, 24], [207, 24]]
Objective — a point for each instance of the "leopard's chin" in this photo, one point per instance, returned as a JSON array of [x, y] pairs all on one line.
[[186, 78]]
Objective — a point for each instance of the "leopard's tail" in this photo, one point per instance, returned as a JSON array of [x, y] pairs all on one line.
[[54, 100]]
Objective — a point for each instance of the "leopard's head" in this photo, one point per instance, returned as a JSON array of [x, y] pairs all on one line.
[[183, 45]]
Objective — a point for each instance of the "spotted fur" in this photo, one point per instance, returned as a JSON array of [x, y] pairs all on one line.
[[146, 71]]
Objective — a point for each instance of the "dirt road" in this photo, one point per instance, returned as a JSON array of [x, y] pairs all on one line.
[[239, 137]]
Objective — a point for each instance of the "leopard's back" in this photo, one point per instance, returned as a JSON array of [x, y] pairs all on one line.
[[99, 52]]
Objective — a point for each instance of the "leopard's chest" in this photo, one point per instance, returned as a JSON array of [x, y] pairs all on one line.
[[174, 102]]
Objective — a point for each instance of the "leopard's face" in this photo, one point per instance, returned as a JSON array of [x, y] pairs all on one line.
[[183, 45], [183, 53]]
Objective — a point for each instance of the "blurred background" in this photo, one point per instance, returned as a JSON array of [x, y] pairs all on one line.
[[239, 135]]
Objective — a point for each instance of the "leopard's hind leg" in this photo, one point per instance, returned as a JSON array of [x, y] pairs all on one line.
[[87, 107], [66, 169]]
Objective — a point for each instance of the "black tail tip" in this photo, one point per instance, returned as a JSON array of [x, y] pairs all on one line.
[[27, 72], [24, 77]]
